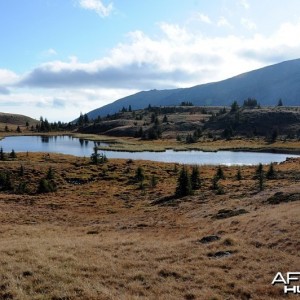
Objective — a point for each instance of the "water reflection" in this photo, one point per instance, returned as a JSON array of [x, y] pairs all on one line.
[[45, 139]]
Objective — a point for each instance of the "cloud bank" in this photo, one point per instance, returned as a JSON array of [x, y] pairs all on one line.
[[177, 57]]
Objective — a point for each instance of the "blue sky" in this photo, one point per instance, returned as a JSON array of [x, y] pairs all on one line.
[[59, 58]]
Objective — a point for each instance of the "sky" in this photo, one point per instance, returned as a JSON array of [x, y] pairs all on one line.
[[60, 58]]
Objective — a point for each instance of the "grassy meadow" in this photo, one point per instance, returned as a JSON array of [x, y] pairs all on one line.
[[102, 234]]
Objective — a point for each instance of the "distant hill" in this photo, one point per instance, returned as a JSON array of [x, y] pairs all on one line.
[[16, 119], [267, 85]]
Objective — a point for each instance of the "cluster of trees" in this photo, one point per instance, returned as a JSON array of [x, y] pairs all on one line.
[[5, 156], [15, 182], [186, 103], [193, 138], [251, 103], [45, 126], [187, 183]]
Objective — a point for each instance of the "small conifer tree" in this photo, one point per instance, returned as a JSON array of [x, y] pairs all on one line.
[[195, 178], [239, 175], [139, 174], [220, 173], [184, 186], [271, 172], [12, 154]]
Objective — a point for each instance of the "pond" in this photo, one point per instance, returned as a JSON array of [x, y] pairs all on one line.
[[80, 147]]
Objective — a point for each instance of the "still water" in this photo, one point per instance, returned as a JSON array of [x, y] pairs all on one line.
[[80, 147]]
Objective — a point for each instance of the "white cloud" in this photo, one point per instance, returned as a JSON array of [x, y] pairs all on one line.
[[223, 22], [179, 57], [203, 18], [97, 6], [248, 24], [244, 3], [51, 52], [8, 77]]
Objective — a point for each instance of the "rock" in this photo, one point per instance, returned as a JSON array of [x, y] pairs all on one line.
[[220, 254], [209, 239], [228, 213], [281, 197]]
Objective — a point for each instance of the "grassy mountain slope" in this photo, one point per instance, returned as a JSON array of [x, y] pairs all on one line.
[[267, 85]]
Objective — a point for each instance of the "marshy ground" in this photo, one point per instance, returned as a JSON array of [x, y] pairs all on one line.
[[101, 235]]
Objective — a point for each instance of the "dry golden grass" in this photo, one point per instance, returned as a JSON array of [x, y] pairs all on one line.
[[106, 239]]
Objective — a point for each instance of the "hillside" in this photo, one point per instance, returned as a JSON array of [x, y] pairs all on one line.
[[267, 85], [16, 119], [207, 122]]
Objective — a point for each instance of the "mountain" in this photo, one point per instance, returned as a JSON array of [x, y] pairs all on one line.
[[267, 85]]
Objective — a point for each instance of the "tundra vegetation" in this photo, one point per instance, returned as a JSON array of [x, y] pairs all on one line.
[[92, 228], [73, 229]]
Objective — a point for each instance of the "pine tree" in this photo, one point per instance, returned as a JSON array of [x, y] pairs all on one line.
[[184, 186], [21, 171], [234, 106], [239, 175], [50, 174], [220, 173], [139, 174], [95, 156], [2, 156], [12, 154], [260, 176], [195, 178], [271, 172], [153, 181]]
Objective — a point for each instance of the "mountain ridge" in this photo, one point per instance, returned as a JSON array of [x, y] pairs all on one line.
[[267, 85]]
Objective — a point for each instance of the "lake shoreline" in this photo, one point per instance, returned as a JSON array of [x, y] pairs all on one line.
[[70, 145], [131, 145]]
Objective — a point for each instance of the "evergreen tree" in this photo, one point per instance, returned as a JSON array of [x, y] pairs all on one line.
[[165, 119], [195, 178], [239, 175], [2, 155], [50, 174], [12, 154], [46, 186], [153, 181], [280, 102], [18, 129], [95, 156], [234, 106], [260, 176], [184, 186], [21, 171], [139, 174], [220, 173], [6, 128], [129, 108], [85, 119], [80, 120], [271, 172]]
